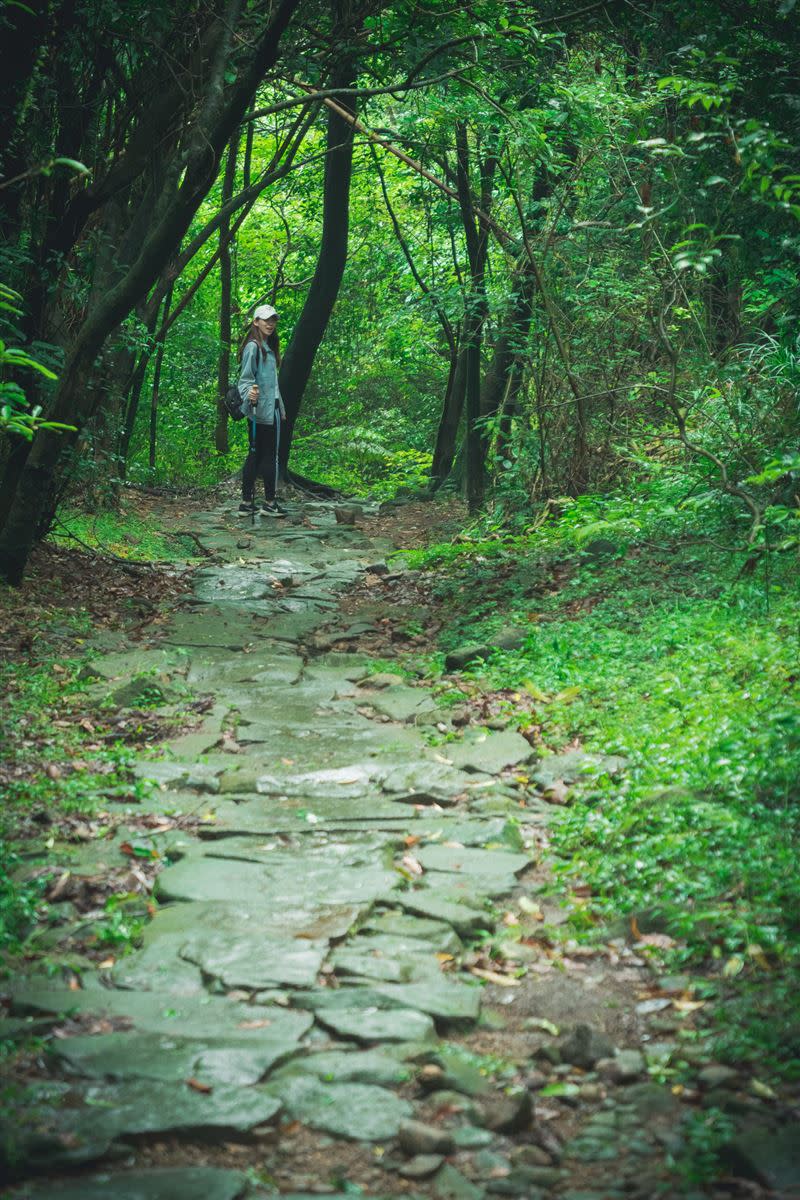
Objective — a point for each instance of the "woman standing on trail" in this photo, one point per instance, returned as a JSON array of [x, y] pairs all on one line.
[[263, 407]]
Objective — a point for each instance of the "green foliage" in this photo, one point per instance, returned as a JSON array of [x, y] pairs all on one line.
[[359, 459], [17, 417], [20, 899], [123, 534], [667, 653]]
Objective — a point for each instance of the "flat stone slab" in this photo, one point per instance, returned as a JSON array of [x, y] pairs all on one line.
[[387, 958], [227, 880], [212, 627], [399, 703], [378, 1024], [489, 869], [356, 779], [442, 907], [168, 1015], [574, 765], [437, 934], [159, 967], [490, 752], [112, 1111], [426, 782], [441, 998], [172, 1183], [358, 1111], [254, 961], [121, 1056], [355, 1066], [182, 921], [300, 815]]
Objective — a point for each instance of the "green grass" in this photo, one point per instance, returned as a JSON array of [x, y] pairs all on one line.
[[122, 534]]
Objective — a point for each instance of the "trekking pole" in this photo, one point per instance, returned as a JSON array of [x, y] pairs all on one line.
[[253, 452]]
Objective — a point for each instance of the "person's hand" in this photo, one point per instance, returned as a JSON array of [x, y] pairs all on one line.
[[252, 395]]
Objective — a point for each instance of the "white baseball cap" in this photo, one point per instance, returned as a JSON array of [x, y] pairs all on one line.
[[264, 312]]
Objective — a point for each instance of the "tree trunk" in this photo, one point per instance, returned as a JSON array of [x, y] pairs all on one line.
[[313, 321], [477, 240], [187, 180], [226, 292], [447, 433]]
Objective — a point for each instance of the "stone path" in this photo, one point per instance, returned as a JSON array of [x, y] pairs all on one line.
[[300, 978]]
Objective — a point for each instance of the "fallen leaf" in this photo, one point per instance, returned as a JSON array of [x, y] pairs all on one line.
[[734, 966], [758, 956], [495, 977], [763, 1090], [57, 889], [135, 851], [688, 1005], [661, 941], [543, 1024], [262, 1023], [411, 864], [107, 963], [197, 1086]]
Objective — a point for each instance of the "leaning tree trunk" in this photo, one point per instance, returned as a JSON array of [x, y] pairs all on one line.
[[226, 292], [187, 181], [313, 321]]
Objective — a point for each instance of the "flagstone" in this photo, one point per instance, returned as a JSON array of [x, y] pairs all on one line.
[[254, 961], [444, 907], [490, 752], [359, 1111], [126, 1055], [378, 1024], [199, 878], [164, 1013], [136, 1107], [300, 920], [171, 1183]]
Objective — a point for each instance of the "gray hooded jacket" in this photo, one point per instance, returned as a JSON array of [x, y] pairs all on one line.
[[259, 367]]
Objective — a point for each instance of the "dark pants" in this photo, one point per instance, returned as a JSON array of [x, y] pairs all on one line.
[[262, 460]]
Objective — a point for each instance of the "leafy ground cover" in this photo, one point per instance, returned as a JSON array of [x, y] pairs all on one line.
[[64, 763], [679, 654]]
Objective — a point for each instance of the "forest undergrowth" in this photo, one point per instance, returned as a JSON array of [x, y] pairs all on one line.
[[678, 652]]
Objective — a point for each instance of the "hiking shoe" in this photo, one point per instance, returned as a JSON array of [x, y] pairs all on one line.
[[245, 509], [271, 509]]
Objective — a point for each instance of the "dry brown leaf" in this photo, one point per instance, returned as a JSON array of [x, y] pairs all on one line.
[[106, 964], [411, 864], [495, 977], [661, 941], [197, 1086]]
